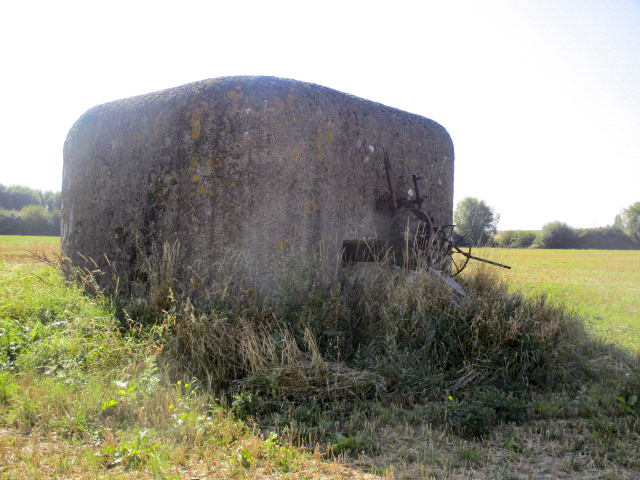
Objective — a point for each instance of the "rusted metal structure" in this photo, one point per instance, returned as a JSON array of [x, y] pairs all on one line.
[[416, 234]]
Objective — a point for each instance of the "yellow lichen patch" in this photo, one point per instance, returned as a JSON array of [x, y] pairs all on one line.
[[281, 245], [212, 193], [195, 119], [328, 137], [239, 239], [235, 96], [209, 163], [196, 178], [193, 164], [200, 191], [310, 206], [295, 154], [233, 185], [222, 133]]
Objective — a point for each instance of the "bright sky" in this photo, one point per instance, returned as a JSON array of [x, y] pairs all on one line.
[[541, 97]]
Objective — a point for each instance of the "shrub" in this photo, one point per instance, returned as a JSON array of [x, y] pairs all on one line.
[[515, 239], [523, 239], [393, 335], [503, 239], [607, 238], [556, 235]]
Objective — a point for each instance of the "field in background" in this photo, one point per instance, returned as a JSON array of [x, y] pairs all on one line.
[[603, 284], [20, 249]]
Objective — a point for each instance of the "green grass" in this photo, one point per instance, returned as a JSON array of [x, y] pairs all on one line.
[[387, 377], [603, 284]]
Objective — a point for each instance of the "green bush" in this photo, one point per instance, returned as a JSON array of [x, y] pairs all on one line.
[[556, 235], [26, 211], [523, 239], [514, 239], [30, 220], [607, 238]]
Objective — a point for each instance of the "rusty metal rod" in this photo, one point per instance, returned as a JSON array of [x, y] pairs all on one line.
[[468, 255], [387, 167]]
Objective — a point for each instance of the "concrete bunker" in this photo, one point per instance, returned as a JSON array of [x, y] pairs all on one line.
[[276, 171]]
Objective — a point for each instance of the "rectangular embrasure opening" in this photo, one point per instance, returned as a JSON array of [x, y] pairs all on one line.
[[354, 251]]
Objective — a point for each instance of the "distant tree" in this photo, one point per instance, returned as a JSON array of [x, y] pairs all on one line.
[[556, 235], [10, 223], [35, 220], [477, 219], [52, 201], [617, 223], [630, 221], [28, 211], [16, 197]]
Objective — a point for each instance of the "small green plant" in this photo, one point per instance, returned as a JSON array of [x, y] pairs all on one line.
[[629, 403], [282, 456], [469, 455], [242, 457], [136, 453], [244, 404]]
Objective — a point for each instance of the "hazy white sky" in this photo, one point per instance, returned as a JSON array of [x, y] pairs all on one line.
[[541, 97]]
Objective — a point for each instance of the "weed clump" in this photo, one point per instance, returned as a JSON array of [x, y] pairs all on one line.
[[391, 335]]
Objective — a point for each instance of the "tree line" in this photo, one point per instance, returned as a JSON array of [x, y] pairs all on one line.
[[479, 223], [29, 211]]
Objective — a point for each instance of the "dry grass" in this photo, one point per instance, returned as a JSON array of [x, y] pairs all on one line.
[[20, 249], [41, 455]]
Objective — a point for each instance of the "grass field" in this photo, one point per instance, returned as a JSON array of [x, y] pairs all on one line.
[[89, 392], [20, 249], [602, 284]]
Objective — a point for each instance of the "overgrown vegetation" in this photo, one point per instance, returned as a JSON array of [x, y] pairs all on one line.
[[158, 386]]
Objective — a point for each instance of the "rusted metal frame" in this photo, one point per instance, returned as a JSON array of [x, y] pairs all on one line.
[[468, 255], [387, 167]]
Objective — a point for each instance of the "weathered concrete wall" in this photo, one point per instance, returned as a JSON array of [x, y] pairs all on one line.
[[265, 167]]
